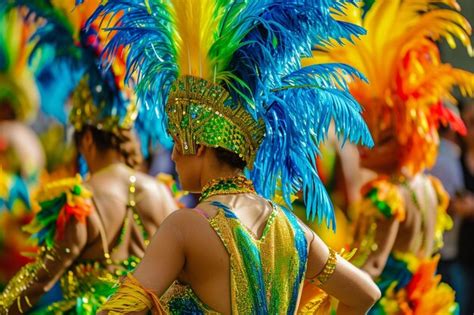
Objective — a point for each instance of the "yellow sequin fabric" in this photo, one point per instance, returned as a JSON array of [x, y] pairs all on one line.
[[12, 294], [201, 112], [266, 274]]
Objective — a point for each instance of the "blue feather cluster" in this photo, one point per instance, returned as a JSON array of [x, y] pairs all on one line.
[[297, 104]]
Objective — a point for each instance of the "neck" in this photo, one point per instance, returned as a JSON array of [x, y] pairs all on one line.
[[106, 159], [222, 172]]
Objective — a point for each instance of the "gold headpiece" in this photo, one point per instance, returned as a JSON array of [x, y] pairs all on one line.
[[85, 110], [201, 112]]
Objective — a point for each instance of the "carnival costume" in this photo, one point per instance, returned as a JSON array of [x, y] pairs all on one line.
[[69, 54], [18, 171], [407, 86], [227, 74]]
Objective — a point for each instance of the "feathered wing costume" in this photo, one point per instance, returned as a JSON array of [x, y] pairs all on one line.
[[403, 101], [228, 74]]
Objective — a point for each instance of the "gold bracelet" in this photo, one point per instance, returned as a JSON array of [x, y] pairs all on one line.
[[328, 269]]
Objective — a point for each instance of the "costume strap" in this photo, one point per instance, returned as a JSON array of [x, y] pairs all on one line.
[[130, 297]]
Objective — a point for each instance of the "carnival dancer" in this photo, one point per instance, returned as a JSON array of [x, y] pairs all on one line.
[[92, 231], [246, 119], [399, 223]]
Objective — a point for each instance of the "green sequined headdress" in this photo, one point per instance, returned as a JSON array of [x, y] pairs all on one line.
[[200, 112]]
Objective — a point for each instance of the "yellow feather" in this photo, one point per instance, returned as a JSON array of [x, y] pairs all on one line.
[[196, 23]]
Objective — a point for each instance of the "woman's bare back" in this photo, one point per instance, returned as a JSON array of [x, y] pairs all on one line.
[[111, 193]]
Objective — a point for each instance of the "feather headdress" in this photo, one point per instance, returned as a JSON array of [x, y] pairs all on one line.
[[228, 74], [407, 80], [18, 88], [66, 59]]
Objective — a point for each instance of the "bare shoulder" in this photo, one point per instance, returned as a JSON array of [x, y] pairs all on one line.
[[308, 233], [152, 186], [146, 181], [185, 217], [188, 224]]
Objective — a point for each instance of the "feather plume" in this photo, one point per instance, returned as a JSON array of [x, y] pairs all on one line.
[[254, 50], [404, 69]]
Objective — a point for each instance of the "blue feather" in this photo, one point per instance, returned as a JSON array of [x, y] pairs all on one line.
[[296, 104]]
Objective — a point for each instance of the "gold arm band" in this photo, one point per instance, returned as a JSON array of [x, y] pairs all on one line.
[[328, 269], [130, 297]]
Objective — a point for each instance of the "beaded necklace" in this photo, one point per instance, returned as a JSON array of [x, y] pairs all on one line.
[[227, 185]]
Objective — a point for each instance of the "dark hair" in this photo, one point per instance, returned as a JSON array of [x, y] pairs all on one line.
[[123, 141], [230, 158]]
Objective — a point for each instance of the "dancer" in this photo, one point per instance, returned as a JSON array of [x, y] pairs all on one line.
[[94, 230], [226, 76], [401, 219]]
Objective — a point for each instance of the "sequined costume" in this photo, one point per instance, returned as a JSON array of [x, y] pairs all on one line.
[[274, 263], [84, 283], [228, 75], [403, 100]]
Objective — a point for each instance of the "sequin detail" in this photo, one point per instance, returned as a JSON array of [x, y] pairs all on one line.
[[266, 273], [229, 185], [201, 112]]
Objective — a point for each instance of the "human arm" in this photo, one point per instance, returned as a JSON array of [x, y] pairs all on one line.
[[385, 236], [353, 288], [462, 205], [33, 280], [61, 232]]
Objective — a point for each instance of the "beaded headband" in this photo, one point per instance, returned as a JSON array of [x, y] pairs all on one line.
[[201, 112]]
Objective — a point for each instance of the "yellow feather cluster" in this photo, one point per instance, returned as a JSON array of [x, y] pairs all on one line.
[[196, 23], [404, 69]]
